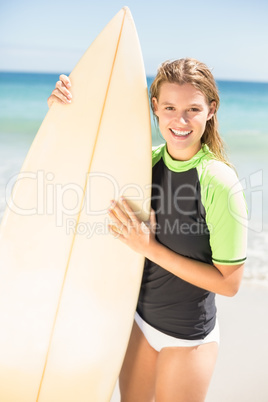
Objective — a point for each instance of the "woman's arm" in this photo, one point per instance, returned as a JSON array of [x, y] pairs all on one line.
[[221, 279]]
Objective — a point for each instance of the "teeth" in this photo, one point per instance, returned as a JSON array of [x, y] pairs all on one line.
[[180, 133]]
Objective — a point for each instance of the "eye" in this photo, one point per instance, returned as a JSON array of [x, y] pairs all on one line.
[[170, 108], [194, 109]]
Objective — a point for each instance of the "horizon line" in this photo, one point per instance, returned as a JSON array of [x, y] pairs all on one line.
[[249, 80]]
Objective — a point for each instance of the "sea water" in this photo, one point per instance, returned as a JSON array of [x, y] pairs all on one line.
[[243, 119]]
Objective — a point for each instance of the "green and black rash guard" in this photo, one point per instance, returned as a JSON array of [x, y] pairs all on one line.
[[201, 214]]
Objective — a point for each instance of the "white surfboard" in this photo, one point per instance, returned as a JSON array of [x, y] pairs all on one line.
[[68, 289]]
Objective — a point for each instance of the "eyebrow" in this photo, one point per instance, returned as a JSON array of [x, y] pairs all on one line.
[[191, 105]]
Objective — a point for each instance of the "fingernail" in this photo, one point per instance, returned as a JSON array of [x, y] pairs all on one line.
[[69, 96]]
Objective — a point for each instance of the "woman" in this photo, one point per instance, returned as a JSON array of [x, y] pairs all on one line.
[[194, 245]]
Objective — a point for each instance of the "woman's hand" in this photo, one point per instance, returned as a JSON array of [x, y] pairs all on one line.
[[221, 279], [61, 93], [126, 227]]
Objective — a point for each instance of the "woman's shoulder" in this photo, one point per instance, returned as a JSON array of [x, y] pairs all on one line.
[[221, 187], [157, 153], [214, 172]]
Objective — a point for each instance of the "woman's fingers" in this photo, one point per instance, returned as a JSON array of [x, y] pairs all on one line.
[[65, 80], [115, 231], [125, 226], [153, 223], [61, 93], [117, 214], [119, 223], [129, 212], [60, 86], [123, 219], [57, 96]]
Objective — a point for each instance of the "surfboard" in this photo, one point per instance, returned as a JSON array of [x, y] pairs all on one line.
[[68, 289]]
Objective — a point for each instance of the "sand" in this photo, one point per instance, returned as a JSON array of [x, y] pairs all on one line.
[[241, 373]]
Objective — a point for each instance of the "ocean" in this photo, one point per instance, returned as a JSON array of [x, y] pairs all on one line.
[[243, 120]]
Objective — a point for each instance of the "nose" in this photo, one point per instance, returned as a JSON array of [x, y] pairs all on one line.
[[181, 117]]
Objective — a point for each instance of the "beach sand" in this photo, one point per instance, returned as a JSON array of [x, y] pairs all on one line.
[[241, 373]]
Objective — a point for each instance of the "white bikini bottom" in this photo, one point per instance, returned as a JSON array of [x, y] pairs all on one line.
[[158, 340]]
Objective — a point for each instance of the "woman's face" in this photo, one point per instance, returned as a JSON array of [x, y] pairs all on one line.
[[183, 112]]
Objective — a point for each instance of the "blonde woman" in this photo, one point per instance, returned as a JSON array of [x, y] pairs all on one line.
[[195, 246]]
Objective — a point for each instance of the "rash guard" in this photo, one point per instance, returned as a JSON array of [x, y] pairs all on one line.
[[201, 214]]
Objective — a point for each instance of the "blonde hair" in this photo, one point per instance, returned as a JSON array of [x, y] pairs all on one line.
[[193, 72]]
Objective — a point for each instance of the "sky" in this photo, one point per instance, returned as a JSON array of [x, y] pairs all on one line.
[[230, 36]]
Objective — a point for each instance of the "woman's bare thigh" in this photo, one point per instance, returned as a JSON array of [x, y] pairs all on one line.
[[137, 377], [183, 374]]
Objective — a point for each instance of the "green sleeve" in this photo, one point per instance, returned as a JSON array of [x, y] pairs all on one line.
[[157, 153], [226, 213]]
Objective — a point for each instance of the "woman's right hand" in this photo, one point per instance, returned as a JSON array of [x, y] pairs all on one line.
[[61, 93]]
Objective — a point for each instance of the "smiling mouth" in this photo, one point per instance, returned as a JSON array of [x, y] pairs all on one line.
[[180, 133]]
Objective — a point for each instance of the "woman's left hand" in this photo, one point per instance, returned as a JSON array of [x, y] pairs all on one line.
[[126, 227]]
